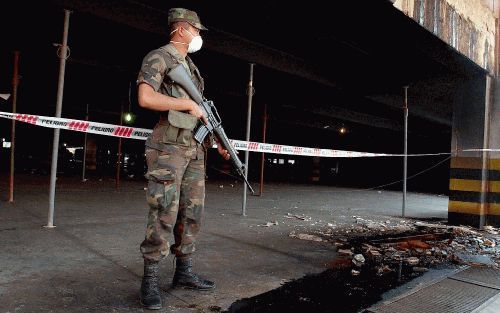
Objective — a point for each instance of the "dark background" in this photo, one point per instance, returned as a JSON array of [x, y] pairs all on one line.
[[106, 56]]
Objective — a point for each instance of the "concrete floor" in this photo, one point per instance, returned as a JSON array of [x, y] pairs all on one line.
[[91, 262]]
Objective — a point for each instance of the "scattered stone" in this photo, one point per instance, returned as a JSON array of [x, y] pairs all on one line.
[[305, 237], [215, 308], [428, 225], [345, 252], [403, 228], [412, 261], [300, 217], [489, 243], [374, 253], [269, 224], [368, 247], [491, 230], [384, 269], [358, 260]]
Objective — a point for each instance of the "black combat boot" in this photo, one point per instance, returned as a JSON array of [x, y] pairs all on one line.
[[150, 288], [185, 278]]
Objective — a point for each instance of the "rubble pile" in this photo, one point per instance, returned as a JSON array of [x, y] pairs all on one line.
[[387, 246]]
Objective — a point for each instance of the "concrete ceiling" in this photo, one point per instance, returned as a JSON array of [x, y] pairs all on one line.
[[347, 63]]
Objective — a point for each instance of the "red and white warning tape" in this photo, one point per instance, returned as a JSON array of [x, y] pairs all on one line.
[[81, 126], [143, 134]]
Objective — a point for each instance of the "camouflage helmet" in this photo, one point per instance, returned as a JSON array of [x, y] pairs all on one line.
[[181, 14]]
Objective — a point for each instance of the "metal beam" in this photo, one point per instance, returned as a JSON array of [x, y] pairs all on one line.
[[352, 116], [396, 102], [429, 95], [149, 19], [152, 20]]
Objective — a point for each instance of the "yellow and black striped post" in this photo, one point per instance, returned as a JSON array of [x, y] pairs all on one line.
[[474, 192], [475, 165]]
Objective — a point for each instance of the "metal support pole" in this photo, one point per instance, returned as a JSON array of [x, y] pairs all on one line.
[[62, 54], [250, 92], [262, 157], [15, 82], [85, 146], [119, 154], [405, 165]]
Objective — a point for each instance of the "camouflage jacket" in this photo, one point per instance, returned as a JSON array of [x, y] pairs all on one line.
[[155, 66], [159, 62]]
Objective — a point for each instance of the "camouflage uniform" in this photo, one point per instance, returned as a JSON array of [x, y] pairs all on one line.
[[176, 169]]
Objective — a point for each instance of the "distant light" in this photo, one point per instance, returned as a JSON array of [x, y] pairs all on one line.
[[6, 144], [128, 117], [3, 139], [64, 144], [325, 127], [343, 130]]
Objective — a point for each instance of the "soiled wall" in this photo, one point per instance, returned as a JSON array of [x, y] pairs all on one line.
[[466, 25]]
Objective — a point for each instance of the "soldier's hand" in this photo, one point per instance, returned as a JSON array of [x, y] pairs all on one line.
[[198, 112], [223, 152]]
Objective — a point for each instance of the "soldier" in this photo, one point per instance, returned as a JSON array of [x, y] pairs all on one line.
[[176, 169]]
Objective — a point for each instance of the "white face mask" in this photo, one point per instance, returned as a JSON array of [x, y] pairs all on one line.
[[194, 45]]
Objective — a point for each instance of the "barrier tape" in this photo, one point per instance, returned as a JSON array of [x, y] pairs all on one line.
[[480, 150], [143, 134], [81, 126]]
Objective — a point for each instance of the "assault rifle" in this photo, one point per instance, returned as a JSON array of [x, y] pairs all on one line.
[[214, 124]]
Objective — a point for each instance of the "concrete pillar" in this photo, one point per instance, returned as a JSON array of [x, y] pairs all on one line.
[[474, 175], [493, 196]]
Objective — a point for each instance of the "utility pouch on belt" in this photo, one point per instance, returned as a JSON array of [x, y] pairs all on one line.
[[180, 127]]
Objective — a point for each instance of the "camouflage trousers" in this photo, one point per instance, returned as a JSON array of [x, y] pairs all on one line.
[[176, 195]]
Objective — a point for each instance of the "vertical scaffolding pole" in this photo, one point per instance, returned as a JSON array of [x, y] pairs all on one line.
[[250, 92], [15, 82], [62, 54], [85, 146], [262, 156], [405, 163], [119, 154]]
